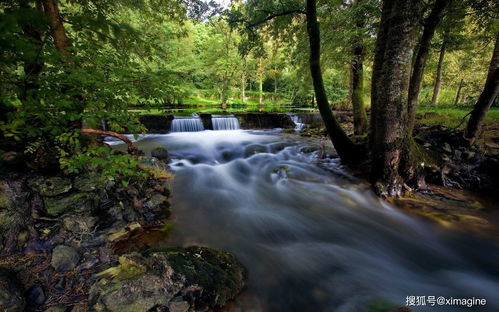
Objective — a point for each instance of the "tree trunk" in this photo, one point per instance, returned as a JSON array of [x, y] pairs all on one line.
[[438, 75], [57, 30], [430, 25], [344, 146], [486, 99], [357, 83], [243, 87], [223, 95], [260, 82], [458, 93], [391, 140], [358, 104]]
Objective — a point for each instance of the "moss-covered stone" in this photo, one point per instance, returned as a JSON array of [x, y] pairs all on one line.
[[64, 258], [74, 202], [88, 183], [194, 279], [52, 186]]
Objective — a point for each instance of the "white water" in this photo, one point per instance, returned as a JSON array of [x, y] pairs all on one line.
[[312, 237], [298, 122], [187, 124], [225, 122]]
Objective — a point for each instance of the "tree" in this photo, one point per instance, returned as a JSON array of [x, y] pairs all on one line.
[[486, 99], [430, 25], [391, 142]]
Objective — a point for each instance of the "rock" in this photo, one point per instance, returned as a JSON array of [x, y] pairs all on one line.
[[36, 295], [157, 207], [178, 306], [174, 279], [75, 202], [88, 183], [80, 224], [11, 293], [12, 158], [254, 149], [125, 232], [64, 258], [160, 153], [52, 186]]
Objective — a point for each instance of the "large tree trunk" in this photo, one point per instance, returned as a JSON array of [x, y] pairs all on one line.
[[458, 93], [438, 75], [344, 146], [430, 25], [57, 30], [391, 139], [243, 87], [486, 99]]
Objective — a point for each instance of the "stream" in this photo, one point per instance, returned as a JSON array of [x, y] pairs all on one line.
[[313, 237]]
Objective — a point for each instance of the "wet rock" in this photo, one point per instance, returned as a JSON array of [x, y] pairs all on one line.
[[160, 153], [174, 279], [156, 123], [75, 202], [254, 149], [64, 258], [35, 295], [52, 186], [89, 263], [11, 293]]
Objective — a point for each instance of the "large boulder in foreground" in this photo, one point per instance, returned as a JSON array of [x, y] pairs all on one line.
[[11, 293], [172, 279]]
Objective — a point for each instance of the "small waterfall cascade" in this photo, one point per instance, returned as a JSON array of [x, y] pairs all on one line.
[[298, 122], [225, 122], [187, 124]]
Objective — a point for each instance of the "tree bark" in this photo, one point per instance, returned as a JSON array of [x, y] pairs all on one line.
[[458, 93], [260, 82], [486, 99], [344, 146], [57, 30], [243, 87], [430, 25], [438, 75], [357, 83], [391, 140]]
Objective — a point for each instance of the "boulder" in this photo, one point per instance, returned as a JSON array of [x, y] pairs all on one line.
[[77, 202], [11, 293], [64, 258], [173, 279], [160, 153], [80, 224], [52, 186]]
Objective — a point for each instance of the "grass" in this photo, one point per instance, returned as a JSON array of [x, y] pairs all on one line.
[[452, 116]]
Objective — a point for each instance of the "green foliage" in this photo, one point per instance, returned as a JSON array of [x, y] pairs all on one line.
[[110, 165]]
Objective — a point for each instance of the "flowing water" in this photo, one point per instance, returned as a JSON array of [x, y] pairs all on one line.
[[312, 237], [187, 124], [224, 122]]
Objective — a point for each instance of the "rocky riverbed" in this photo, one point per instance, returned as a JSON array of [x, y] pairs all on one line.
[[64, 247]]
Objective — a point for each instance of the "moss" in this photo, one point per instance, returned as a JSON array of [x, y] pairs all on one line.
[[74, 202]]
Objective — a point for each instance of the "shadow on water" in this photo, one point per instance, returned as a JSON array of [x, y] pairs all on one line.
[[313, 238]]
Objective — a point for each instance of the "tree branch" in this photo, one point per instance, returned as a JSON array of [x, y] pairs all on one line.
[[272, 15], [131, 148]]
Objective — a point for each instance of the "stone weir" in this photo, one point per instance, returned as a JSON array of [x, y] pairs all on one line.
[[159, 123]]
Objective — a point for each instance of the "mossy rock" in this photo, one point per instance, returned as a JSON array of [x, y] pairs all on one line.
[[52, 186], [11, 293], [77, 202], [88, 183], [197, 277]]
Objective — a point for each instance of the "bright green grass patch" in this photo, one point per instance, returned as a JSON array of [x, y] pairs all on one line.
[[451, 116]]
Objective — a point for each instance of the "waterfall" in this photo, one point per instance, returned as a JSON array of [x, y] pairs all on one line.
[[225, 122], [187, 124], [298, 122]]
